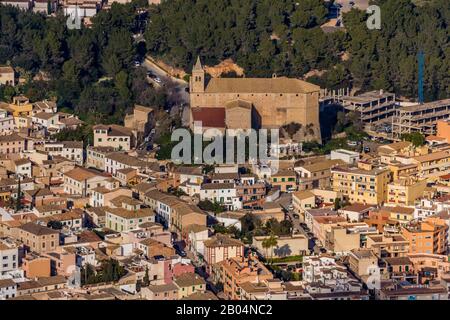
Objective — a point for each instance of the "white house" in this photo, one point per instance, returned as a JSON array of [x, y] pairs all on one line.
[[347, 156], [355, 212], [117, 161], [45, 105], [190, 187], [229, 219], [9, 257], [81, 181], [223, 193], [165, 208], [45, 120], [8, 289], [72, 150], [226, 168], [23, 168], [7, 123], [263, 171], [197, 235], [85, 255], [428, 208]]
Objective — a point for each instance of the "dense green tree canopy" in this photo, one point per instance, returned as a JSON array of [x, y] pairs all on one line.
[[89, 71], [284, 37]]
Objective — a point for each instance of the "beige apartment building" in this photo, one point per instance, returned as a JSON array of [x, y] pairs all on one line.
[[274, 101], [343, 237], [361, 186], [95, 156], [285, 180], [120, 219], [429, 236], [189, 283], [316, 175], [103, 196], [72, 150], [141, 120], [118, 137], [405, 191], [186, 215], [81, 181], [236, 271], [362, 262], [433, 165], [339, 239], [388, 246], [303, 200], [12, 144], [38, 238]]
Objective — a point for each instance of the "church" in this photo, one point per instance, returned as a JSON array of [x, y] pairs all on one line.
[[244, 103]]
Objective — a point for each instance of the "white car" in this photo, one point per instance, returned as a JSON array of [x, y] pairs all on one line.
[[157, 80]]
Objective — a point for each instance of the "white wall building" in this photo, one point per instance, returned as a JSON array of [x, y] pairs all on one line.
[[23, 168], [8, 289], [72, 150], [7, 123], [347, 156], [9, 257], [223, 193]]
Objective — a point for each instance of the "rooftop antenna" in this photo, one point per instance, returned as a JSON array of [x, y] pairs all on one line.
[[421, 58]]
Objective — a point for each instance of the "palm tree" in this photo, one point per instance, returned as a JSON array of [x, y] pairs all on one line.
[[266, 245], [272, 242]]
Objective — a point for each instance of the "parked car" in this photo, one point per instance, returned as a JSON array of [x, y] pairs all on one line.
[[179, 251]]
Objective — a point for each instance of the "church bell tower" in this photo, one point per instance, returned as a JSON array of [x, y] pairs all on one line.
[[197, 81]]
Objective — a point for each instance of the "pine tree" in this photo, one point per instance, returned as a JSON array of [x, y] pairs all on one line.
[[19, 197], [146, 279]]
